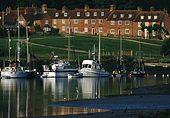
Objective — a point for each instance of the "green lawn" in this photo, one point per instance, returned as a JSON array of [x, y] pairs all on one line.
[[42, 46]]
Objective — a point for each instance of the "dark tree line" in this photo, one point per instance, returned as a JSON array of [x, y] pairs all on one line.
[[71, 4]]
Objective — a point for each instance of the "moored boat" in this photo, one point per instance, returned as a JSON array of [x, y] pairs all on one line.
[[58, 69], [91, 68]]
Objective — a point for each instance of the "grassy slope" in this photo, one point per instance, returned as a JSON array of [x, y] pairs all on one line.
[[58, 44]]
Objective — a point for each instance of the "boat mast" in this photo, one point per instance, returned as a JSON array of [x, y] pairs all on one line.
[[69, 39], [139, 60], [99, 48], [120, 58], [18, 43], [28, 60], [9, 45], [94, 52]]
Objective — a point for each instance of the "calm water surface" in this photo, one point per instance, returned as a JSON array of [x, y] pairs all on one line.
[[30, 97]]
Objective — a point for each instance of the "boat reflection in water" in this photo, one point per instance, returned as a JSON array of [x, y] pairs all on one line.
[[28, 98]]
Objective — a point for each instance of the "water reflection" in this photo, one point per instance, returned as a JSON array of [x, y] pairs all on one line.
[[26, 98]]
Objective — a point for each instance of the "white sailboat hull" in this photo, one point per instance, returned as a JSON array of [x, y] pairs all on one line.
[[11, 74], [63, 73]]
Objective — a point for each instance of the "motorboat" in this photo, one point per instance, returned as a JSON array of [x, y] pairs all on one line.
[[91, 68], [58, 68]]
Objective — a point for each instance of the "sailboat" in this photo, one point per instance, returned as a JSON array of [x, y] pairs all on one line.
[[93, 68], [120, 71], [14, 70], [139, 71]]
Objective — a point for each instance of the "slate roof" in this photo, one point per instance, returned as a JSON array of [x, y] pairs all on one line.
[[145, 14]]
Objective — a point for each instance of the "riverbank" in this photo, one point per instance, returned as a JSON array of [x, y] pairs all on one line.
[[145, 102]]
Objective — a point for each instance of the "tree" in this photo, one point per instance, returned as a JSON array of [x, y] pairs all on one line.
[[157, 28], [149, 29], [165, 50]]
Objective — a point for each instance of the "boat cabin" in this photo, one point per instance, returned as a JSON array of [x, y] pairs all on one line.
[[91, 64]]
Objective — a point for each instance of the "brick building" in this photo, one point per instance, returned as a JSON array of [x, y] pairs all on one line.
[[111, 21]]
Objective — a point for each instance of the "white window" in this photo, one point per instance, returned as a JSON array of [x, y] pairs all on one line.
[[155, 17], [78, 14], [139, 24], [65, 14], [130, 16], [86, 29], [75, 21], [119, 22], [149, 17], [100, 29], [85, 21], [46, 21], [162, 24], [55, 21], [75, 29], [63, 21], [102, 13], [112, 22], [95, 14], [87, 14], [93, 21], [114, 15], [100, 21], [153, 33], [112, 31], [147, 24], [153, 23], [56, 14], [45, 12], [63, 28], [122, 15], [127, 31], [139, 32], [127, 22], [142, 17]]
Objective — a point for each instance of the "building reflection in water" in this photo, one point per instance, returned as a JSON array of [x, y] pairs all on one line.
[[27, 98]]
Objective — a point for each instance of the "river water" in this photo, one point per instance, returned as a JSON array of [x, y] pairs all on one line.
[[31, 97]]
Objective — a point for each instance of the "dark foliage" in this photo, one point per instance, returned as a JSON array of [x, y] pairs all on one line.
[[72, 4], [166, 48]]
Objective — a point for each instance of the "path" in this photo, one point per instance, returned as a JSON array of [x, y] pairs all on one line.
[[143, 102]]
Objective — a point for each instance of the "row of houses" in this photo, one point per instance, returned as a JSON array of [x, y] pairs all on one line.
[[88, 21]]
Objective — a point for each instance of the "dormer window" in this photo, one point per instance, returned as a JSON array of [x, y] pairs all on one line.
[[87, 14], [95, 14], [155, 17], [142, 17], [45, 12], [102, 13], [93, 21], [114, 15], [65, 14], [130, 16], [149, 17], [78, 14], [56, 14], [122, 15]]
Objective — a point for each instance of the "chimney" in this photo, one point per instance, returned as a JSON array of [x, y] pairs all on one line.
[[86, 7], [33, 5], [43, 7], [25, 11], [8, 10], [152, 8], [165, 10], [112, 7], [64, 8], [139, 8]]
